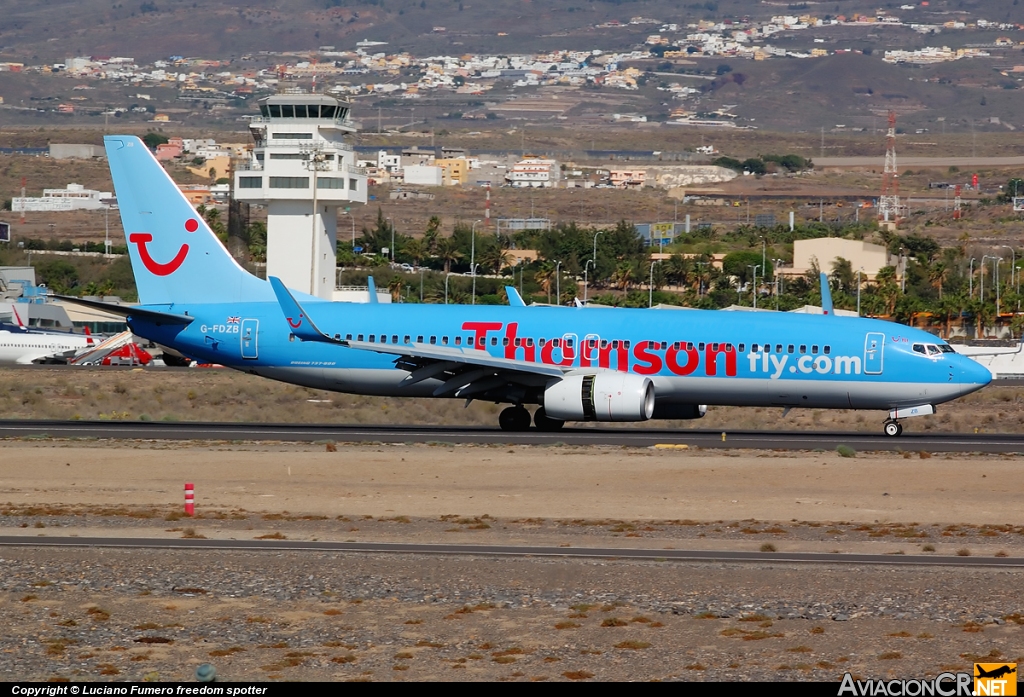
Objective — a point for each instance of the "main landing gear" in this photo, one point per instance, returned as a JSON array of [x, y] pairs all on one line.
[[893, 428], [517, 418]]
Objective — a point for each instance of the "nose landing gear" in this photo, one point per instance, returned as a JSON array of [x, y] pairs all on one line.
[[893, 428]]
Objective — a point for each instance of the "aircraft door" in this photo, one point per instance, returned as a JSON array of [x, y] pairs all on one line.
[[250, 328], [589, 349], [874, 347], [569, 348]]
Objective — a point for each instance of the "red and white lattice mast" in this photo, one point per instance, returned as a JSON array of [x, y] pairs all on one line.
[[957, 213], [889, 201]]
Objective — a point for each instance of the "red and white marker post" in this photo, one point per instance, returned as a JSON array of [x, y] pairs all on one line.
[[190, 499]]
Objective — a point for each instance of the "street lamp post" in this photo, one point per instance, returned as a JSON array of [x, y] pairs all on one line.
[[981, 272], [753, 284], [995, 263], [472, 257], [558, 283], [391, 224], [585, 267], [599, 232], [421, 284], [858, 290], [650, 286]]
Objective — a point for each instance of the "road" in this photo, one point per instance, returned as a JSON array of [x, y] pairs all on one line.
[[632, 437], [512, 551]]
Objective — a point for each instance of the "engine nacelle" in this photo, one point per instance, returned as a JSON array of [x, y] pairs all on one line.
[[680, 411], [611, 396]]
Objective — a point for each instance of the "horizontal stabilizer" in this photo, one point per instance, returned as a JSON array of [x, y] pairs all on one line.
[[514, 298], [154, 316], [299, 322]]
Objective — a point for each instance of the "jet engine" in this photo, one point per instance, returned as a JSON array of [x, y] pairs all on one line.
[[610, 396]]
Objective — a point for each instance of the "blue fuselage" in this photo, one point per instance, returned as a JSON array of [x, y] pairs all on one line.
[[692, 356]]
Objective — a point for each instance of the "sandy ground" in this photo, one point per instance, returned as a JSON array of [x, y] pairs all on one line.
[[522, 481], [109, 614]]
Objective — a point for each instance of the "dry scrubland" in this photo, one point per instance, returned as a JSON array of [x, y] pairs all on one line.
[[105, 614], [224, 395]]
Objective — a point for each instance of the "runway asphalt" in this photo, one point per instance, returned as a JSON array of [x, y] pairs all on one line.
[[632, 437], [509, 550]]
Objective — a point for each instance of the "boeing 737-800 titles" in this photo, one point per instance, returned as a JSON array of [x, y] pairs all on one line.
[[575, 364]]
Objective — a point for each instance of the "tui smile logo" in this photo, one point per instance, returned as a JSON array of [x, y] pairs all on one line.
[[141, 239], [294, 325]]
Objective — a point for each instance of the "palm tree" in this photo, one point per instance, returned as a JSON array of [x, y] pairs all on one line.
[[623, 276], [430, 236], [545, 276], [493, 257], [937, 273], [395, 288], [448, 252], [415, 250]]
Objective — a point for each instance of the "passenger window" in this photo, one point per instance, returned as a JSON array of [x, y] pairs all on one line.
[[458, 341], [348, 337], [753, 347], [540, 342], [373, 338], [625, 344], [700, 346], [791, 348], [568, 343], [394, 338], [359, 337], [518, 341], [675, 346], [405, 339], [494, 341], [615, 343], [529, 341], [419, 339], [604, 343], [919, 348], [714, 347], [433, 339], [803, 348], [504, 342], [778, 348], [728, 347], [828, 350], [337, 337], [689, 346], [444, 340], [814, 349]]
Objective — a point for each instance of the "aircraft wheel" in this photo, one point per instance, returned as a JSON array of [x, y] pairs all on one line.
[[514, 419], [545, 423], [893, 428]]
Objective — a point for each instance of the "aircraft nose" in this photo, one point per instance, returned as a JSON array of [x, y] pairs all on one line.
[[973, 375]]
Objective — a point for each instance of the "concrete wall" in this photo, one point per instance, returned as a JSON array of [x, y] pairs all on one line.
[[67, 151], [423, 175]]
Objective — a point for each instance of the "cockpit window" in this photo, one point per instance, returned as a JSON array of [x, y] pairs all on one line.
[[919, 348], [946, 348]]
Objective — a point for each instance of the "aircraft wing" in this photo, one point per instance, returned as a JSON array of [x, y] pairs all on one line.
[[465, 372]]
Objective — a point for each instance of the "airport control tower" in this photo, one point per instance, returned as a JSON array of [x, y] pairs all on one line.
[[302, 171]]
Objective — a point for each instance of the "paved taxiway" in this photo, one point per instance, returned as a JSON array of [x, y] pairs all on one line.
[[512, 551], [634, 437]]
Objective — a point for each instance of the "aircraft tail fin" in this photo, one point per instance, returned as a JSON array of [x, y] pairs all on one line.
[[175, 256], [826, 295]]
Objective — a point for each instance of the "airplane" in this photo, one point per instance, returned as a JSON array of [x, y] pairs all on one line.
[[574, 364], [21, 345]]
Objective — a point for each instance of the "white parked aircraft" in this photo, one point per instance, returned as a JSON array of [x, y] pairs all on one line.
[[21, 345]]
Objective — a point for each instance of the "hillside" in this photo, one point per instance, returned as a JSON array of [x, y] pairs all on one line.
[[151, 29]]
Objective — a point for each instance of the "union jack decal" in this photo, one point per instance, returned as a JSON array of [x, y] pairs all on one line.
[[234, 320]]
